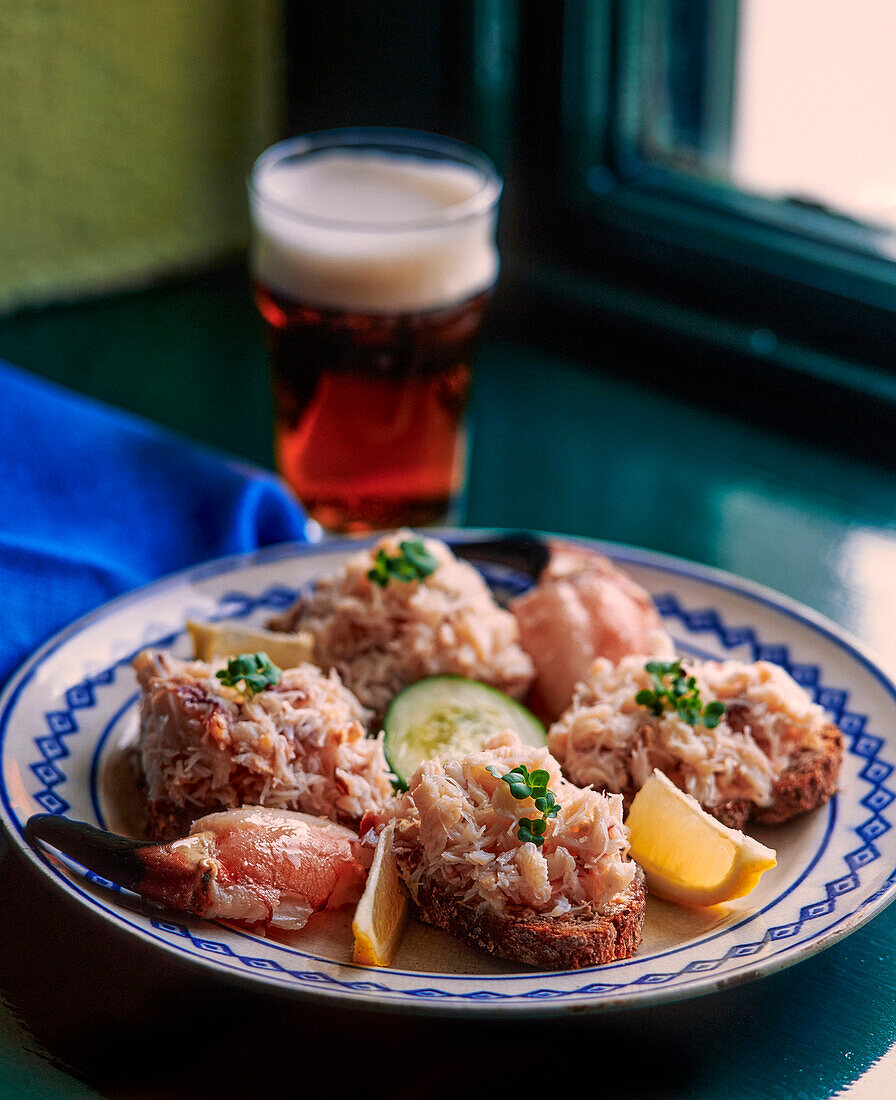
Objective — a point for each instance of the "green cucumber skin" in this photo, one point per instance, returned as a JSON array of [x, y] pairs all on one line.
[[425, 704]]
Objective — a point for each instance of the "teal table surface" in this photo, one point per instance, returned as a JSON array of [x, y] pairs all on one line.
[[557, 445]]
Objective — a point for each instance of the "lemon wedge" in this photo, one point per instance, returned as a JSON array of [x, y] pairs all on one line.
[[228, 639], [383, 909], [688, 856]]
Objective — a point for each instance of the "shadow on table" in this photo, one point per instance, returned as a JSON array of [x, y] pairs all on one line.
[[134, 1023]]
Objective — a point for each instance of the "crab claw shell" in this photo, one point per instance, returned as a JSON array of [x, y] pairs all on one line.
[[520, 553], [527, 553], [253, 865], [171, 874]]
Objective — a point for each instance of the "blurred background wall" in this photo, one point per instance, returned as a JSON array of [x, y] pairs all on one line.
[[128, 128]]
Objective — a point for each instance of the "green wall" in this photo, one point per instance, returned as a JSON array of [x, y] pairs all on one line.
[[127, 129]]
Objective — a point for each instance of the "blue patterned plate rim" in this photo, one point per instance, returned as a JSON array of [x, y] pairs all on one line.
[[697, 977]]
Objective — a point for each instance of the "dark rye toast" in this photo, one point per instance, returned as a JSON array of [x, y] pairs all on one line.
[[165, 820], [807, 783], [548, 943]]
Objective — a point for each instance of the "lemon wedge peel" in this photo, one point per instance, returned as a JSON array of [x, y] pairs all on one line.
[[382, 912], [687, 856], [212, 640]]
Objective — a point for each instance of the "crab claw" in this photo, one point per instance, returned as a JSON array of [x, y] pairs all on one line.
[[522, 551], [583, 607], [518, 553], [254, 865]]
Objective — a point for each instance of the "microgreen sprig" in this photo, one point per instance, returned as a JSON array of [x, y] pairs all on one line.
[[675, 690], [256, 671], [526, 784], [414, 563]]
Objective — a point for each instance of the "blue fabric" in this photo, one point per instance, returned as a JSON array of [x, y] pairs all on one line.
[[94, 501]]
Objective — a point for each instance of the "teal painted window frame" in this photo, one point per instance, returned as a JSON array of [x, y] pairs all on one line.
[[593, 225], [600, 132]]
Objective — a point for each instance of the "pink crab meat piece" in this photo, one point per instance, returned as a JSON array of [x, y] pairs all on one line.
[[582, 608]]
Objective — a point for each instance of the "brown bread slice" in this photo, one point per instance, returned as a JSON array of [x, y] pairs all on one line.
[[548, 943], [808, 782], [168, 820]]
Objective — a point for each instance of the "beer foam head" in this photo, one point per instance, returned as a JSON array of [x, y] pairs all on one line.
[[372, 230]]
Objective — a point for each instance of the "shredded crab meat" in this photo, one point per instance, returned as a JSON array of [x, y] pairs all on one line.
[[607, 739], [380, 639], [457, 828], [299, 745]]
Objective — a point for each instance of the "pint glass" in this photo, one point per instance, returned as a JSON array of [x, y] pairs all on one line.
[[373, 256]]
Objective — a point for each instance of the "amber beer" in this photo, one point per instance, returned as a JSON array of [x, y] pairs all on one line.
[[373, 259]]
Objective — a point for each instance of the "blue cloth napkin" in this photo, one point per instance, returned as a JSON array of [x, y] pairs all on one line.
[[94, 501]]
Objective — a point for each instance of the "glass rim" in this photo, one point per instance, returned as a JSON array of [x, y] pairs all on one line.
[[385, 138]]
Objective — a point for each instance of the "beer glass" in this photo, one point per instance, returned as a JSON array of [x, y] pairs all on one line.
[[373, 257]]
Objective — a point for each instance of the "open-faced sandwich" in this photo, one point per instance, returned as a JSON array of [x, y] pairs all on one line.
[[744, 739], [211, 739], [404, 609], [496, 847]]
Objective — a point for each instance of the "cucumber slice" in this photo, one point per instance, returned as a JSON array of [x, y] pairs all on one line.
[[448, 715]]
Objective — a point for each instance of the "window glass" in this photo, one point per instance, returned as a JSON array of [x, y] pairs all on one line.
[[790, 100]]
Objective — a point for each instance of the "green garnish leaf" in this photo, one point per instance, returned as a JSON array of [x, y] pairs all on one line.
[[539, 779], [413, 563], [256, 672], [712, 714], [418, 556], [380, 572], [527, 834], [525, 784], [674, 690]]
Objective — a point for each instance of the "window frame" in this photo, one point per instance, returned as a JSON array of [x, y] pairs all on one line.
[[798, 288]]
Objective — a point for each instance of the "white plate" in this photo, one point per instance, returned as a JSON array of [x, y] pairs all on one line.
[[65, 715]]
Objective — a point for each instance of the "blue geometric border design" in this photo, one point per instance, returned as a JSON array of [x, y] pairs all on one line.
[[61, 724]]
